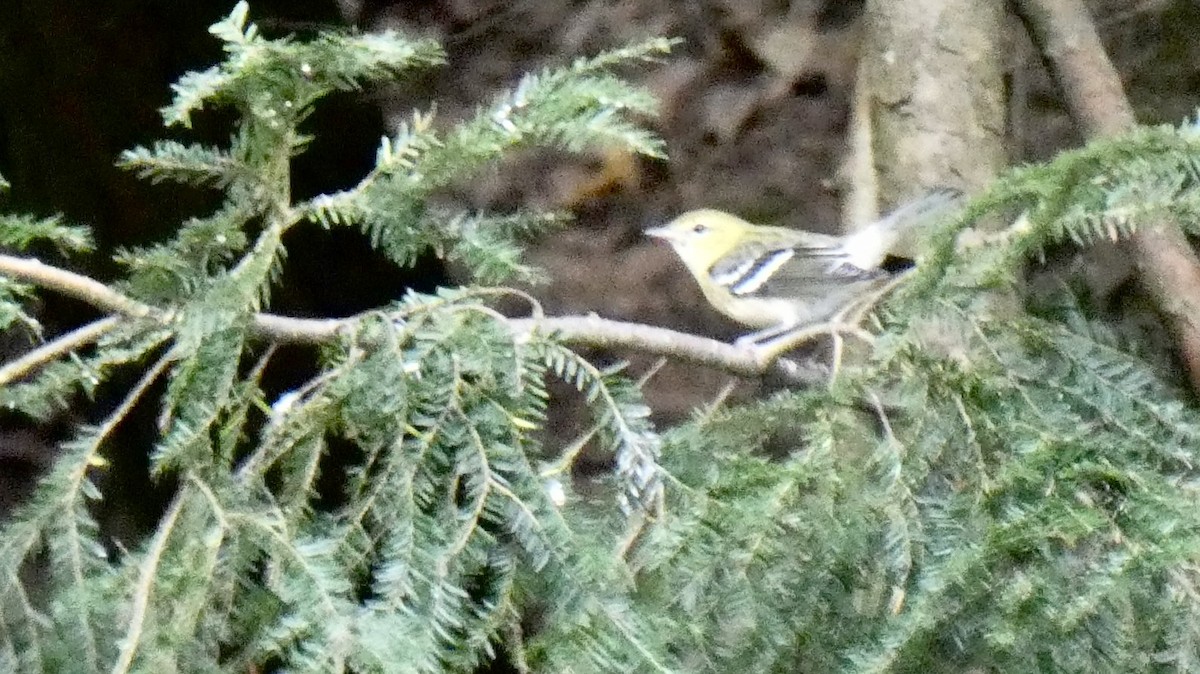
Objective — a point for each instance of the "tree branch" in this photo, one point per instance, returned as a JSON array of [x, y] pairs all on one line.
[[71, 284], [747, 361], [61, 346], [1167, 267]]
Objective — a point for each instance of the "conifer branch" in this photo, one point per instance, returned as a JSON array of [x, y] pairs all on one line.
[[61, 346], [73, 285], [591, 330], [1013, 498], [1167, 267], [147, 577]]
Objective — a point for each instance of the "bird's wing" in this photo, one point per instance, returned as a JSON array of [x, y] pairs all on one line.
[[814, 266], [819, 278]]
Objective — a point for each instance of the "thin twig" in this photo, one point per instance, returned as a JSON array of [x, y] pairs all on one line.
[[649, 374], [711, 408], [90, 459], [769, 351], [145, 583], [71, 284], [71, 341]]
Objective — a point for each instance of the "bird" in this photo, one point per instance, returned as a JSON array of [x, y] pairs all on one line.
[[778, 280]]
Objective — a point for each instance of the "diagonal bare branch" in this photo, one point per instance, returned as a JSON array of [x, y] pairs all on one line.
[[1167, 266]]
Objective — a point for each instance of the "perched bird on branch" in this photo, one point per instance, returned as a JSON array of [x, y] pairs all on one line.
[[778, 280]]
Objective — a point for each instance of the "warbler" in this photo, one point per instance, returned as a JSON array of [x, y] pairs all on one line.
[[777, 279]]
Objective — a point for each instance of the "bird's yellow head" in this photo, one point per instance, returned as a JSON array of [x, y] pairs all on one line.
[[702, 237]]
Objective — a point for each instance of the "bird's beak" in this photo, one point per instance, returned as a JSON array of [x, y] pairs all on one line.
[[659, 233]]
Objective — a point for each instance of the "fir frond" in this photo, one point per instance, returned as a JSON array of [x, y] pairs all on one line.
[[53, 387], [987, 491], [421, 560], [187, 164], [571, 108], [1103, 191], [178, 268], [58, 516], [13, 297], [489, 244], [20, 231], [624, 421], [291, 74], [201, 385]]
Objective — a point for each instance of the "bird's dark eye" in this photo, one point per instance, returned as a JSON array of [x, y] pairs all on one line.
[[699, 228]]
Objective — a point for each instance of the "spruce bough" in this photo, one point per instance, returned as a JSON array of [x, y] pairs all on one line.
[[1021, 498]]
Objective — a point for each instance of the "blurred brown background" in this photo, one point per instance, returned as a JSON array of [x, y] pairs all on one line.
[[754, 112]]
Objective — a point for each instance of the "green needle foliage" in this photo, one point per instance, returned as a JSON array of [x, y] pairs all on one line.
[[445, 511], [993, 489]]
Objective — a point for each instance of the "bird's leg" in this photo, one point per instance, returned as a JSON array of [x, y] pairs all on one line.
[[793, 336], [835, 364]]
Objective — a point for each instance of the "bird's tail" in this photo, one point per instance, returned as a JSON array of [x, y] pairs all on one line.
[[890, 234]]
